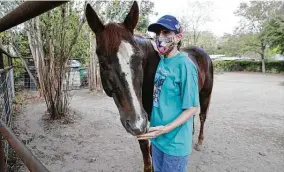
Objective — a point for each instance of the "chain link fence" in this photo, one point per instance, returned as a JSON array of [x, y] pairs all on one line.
[[77, 79], [6, 100]]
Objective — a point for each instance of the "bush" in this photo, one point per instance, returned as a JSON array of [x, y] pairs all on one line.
[[248, 66]]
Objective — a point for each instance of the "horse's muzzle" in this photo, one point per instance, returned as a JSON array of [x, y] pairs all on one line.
[[134, 128]]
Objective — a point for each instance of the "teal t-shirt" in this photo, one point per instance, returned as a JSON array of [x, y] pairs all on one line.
[[175, 89]]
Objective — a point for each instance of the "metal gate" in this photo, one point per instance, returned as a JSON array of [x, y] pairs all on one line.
[[22, 13]]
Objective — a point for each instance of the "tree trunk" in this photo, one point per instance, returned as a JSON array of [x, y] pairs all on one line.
[[34, 47], [194, 37], [31, 43], [262, 57], [51, 66], [93, 64], [39, 55], [94, 67], [99, 82], [262, 63]]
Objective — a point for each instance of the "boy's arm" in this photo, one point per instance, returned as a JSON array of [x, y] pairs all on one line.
[[183, 117], [190, 104]]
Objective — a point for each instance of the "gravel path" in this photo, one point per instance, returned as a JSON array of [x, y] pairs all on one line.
[[244, 131]]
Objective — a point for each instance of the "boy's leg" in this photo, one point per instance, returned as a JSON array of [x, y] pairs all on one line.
[[157, 159], [174, 163]]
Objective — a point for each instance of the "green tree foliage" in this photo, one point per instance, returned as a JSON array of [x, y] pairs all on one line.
[[14, 38], [238, 44], [146, 9], [208, 41], [60, 26], [274, 34], [117, 10], [229, 45], [255, 14]]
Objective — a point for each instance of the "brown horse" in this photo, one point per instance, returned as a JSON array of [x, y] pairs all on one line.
[[127, 67]]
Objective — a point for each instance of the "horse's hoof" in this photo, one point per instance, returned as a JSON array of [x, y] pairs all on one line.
[[197, 147]]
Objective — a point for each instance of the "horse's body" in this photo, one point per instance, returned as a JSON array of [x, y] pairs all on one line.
[[128, 65]]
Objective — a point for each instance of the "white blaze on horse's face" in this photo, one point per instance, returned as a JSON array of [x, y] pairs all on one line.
[[124, 55]]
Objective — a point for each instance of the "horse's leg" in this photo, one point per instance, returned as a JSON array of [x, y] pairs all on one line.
[[204, 97], [146, 151]]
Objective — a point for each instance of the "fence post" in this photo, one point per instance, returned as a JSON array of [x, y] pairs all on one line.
[[5, 89], [1, 60], [11, 77], [2, 155]]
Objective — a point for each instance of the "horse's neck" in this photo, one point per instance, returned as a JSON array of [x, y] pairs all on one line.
[[151, 61], [146, 45]]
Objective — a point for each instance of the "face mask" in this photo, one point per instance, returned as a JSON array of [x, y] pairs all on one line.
[[165, 44]]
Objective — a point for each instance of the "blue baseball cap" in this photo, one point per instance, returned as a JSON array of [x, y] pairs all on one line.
[[167, 21]]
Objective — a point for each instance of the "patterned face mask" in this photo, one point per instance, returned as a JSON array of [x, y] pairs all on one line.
[[165, 44]]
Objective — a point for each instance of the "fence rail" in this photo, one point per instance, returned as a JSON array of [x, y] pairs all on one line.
[[32, 163], [7, 137]]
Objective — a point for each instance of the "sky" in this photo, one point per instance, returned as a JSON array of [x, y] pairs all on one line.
[[221, 12]]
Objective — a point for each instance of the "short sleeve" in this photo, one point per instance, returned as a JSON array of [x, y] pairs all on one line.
[[189, 86]]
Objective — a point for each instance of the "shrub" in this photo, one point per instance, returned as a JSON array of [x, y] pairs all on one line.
[[248, 66]]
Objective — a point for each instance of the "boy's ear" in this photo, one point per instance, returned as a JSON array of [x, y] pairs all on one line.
[[178, 37]]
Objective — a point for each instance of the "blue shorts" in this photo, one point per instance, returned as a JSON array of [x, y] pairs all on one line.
[[167, 163]]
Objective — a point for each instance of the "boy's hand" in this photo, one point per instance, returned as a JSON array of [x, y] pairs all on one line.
[[153, 132]]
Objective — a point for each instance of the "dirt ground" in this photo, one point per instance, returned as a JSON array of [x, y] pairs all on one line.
[[244, 131]]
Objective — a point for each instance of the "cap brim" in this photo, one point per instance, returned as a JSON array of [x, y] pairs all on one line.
[[156, 27]]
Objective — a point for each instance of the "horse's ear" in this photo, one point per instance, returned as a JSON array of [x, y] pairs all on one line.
[[131, 19], [93, 20]]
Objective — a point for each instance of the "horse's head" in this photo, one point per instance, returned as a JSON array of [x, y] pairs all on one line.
[[121, 67]]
